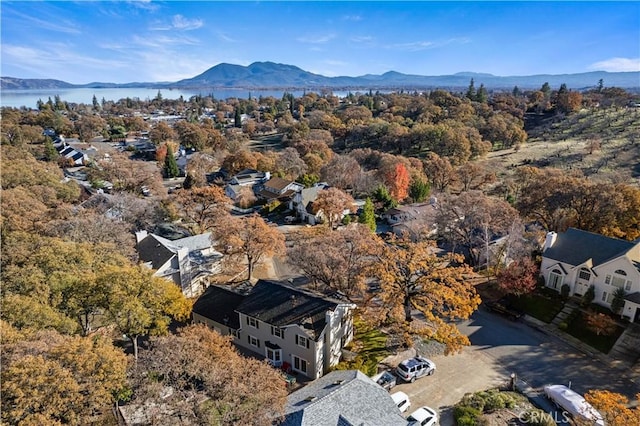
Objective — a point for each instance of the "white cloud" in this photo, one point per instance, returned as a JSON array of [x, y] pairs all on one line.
[[57, 25], [355, 18], [413, 46], [58, 56], [156, 41], [144, 5], [361, 39], [616, 65], [178, 22], [320, 39], [225, 37], [424, 45], [181, 23]]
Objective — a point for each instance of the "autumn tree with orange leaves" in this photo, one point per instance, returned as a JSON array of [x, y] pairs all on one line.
[[248, 240], [332, 203], [520, 277], [336, 260], [211, 382], [398, 182], [413, 277], [202, 207], [614, 407]]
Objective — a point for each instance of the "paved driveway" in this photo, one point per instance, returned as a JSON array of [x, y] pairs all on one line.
[[501, 347]]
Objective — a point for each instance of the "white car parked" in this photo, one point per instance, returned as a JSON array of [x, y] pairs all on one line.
[[423, 416], [402, 401]]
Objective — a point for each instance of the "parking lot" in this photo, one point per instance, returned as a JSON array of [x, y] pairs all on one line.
[[501, 347], [469, 371]]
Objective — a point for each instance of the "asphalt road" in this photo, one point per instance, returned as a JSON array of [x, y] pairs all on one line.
[[540, 359]]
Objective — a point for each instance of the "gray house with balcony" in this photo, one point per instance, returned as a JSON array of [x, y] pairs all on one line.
[[297, 330]]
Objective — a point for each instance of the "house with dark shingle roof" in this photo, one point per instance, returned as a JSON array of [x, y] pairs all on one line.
[[346, 397], [580, 259], [187, 261], [298, 330]]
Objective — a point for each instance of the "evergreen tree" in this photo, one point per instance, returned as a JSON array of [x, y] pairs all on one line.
[[382, 195], [238, 118], [170, 165], [419, 190], [368, 216], [546, 89], [600, 85], [50, 152], [482, 96], [471, 91], [516, 91]]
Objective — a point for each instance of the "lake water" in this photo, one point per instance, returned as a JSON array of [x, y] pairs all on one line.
[[29, 98]]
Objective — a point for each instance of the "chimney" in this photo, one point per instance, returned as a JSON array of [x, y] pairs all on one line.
[[140, 235], [549, 240]]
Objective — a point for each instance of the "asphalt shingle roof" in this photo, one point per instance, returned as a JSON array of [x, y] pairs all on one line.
[[218, 303], [345, 397], [576, 247], [277, 304], [153, 249]]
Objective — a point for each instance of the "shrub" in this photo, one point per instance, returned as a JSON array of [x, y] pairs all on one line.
[[618, 300], [494, 402], [564, 291], [465, 415], [588, 296], [563, 326], [474, 400]]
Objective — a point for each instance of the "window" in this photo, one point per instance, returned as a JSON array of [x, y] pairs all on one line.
[[618, 279], [277, 331], [555, 279], [275, 356], [585, 274], [299, 364], [628, 286], [302, 341], [253, 341], [604, 296], [252, 322]]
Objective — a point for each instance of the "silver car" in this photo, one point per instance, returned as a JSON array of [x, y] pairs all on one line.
[[411, 369]]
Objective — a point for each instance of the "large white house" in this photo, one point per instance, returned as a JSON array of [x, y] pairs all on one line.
[[294, 329], [581, 259]]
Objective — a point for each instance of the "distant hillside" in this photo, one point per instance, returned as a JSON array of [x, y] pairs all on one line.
[[10, 83], [269, 75]]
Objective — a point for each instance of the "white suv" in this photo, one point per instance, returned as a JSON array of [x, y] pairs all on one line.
[[411, 369]]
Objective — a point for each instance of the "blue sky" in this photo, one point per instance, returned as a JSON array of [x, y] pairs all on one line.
[[125, 41]]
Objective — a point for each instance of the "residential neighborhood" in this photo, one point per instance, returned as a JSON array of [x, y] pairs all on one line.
[[384, 256]]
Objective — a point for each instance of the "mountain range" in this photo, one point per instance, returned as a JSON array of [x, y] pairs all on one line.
[[270, 75]]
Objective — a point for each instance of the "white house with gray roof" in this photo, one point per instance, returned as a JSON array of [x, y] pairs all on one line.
[[346, 397], [580, 259]]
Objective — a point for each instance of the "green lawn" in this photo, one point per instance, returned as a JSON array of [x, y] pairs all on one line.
[[371, 346], [538, 306], [578, 329]]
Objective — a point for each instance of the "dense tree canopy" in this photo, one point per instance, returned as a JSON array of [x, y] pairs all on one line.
[[208, 381], [413, 277]]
